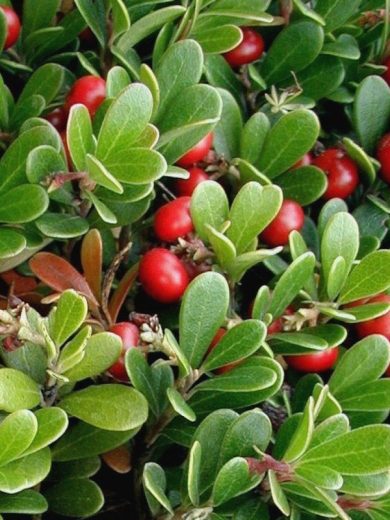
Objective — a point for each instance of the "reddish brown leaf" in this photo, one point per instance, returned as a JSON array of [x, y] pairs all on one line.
[[21, 284], [92, 259], [122, 291], [118, 459], [59, 274]]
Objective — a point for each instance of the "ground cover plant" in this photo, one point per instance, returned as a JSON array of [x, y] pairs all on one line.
[[194, 259]]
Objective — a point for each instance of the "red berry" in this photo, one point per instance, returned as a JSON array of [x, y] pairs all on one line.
[[214, 342], [129, 334], [387, 373], [10, 343], [379, 325], [163, 275], [317, 362], [275, 327], [13, 26], [250, 49], [290, 217], [306, 160], [57, 118], [89, 91], [342, 172], [186, 187], [383, 155], [386, 74], [173, 220], [198, 152]]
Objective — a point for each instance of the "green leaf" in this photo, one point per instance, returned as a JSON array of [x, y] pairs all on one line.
[[253, 208], [25, 472], [110, 407], [302, 435], [46, 81], [345, 47], [336, 13], [242, 263], [153, 477], [366, 167], [26, 502], [179, 405], [288, 140], [52, 424], [320, 476], [101, 351], [365, 362], [252, 509], [233, 480], [223, 248], [17, 432], [102, 209], [99, 174], [94, 14], [194, 466], [17, 391], [79, 136], [209, 207], [219, 74], [253, 137], [372, 396], [203, 310], [83, 441], [364, 451], [218, 39], [62, 226], [294, 48], [120, 17], [70, 313], [42, 161], [227, 133], [180, 67], [371, 111], [304, 185], [117, 80], [371, 276], [34, 19], [238, 343], [278, 495], [291, 282], [149, 79], [322, 77], [124, 121], [23, 204], [367, 485], [329, 429], [136, 166], [11, 243], [75, 498]]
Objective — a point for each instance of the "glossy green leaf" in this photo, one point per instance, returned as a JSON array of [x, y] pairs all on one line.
[[135, 166], [304, 185], [320, 476], [278, 494], [79, 136], [194, 465], [11, 243], [17, 391], [303, 433], [345, 47], [17, 432], [26, 502], [322, 77], [253, 137], [75, 498], [52, 424], [94, 15], [336, 13], [23, 204], [42, 161], [26, 472], [61, 226], [70, 313], [233, 480], [179, 404], [152, 480], [219, 39], [209, 207], [46, 81], [227, 134]]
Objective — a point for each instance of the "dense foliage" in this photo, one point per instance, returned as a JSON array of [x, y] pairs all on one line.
[[194, 262]]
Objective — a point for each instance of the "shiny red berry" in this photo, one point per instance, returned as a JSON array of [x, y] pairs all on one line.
[[386, 74], [90, 91], [383, 155], [173, 220], [13, 26], [186, 187], [306, 160], [57, 118], [163, 276], [317, 362], [250, 49], [198, 152], [342, 173], [129, 334], [379, 325], [290, 217]]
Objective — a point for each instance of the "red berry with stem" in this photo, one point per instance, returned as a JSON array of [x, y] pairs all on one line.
[[197, 152], [342, 173], [163, 276], [250, 49], [90, 91], [186, 187], [173, 220], [386, 74], [316, 362], [306, 160], [129, 334], [13, 26], [57, 118], [380, 325], [290, 217], [383, 155]]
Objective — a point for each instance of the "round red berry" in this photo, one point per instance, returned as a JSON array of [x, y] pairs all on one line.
[[306, 160], [13, 26], [290, 217], [90, 91], [250, 49], [379, 325], [129, 334], [386, 74], [317, 362], [57, 118], [342, 173], [198, 152], [163, 276], [186, 187], [383, 155], [173, 220]]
